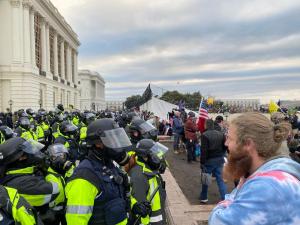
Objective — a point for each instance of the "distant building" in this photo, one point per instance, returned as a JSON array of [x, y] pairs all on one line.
[[38, 56], [242, 103], [114, 105], [92, 90], [290, 103]]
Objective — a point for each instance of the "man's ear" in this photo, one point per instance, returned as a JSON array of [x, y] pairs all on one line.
[[249, 145]]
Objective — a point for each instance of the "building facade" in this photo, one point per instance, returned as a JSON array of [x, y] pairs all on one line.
[[114, 105], [242, 103], [38, 57], [92, 90]]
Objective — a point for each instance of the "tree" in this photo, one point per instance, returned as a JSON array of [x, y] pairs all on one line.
[[133, 101], [192, 101]]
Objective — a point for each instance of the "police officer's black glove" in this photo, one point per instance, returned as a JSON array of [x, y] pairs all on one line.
[[141, 208], [67, 165]]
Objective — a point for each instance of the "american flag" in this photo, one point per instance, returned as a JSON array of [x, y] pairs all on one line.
[[203, 110], [203, 115]]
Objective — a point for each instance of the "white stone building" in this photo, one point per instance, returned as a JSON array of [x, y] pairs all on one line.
[[38, 56], [92, 90], [115, 105], [242, 103]]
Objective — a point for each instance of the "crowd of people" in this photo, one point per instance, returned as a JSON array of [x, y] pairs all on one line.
[[259, 155], [80, 168], [61, 167]]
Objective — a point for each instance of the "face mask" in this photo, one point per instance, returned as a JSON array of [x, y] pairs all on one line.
[[153, 161]]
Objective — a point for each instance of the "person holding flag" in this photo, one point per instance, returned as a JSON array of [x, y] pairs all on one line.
[[203, 115]]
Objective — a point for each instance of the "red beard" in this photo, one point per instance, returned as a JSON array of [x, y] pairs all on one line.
[[238, 165]]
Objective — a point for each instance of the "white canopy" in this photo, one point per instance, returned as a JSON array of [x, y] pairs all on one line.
[[160, 108]]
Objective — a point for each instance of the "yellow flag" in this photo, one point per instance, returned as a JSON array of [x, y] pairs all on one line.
[[210, 100], [273, 107]]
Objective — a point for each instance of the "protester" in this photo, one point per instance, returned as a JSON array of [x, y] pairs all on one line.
[[177, 131], [190, 129], [269, 189], [212, 158]]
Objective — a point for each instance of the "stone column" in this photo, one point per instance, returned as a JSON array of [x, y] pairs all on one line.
[[69, 64], [55, 52], [16, 31], [48, 47], [75, 69], [43, 45], [26, 32], [32, 38], [62, 59]]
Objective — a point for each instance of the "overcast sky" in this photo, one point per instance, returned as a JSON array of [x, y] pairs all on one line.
[[227, 49]]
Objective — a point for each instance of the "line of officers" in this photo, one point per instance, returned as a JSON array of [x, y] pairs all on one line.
[[60, 168]]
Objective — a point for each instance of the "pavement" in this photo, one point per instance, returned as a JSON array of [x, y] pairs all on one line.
[[183, 189], [179, 210]]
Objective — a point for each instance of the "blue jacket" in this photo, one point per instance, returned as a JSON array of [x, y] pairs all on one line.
[[177, 125], [270, 196]]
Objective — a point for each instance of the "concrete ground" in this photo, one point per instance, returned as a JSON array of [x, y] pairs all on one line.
[[183, 189]]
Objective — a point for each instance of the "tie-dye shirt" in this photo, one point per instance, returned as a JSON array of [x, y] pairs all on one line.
[[270, 196]]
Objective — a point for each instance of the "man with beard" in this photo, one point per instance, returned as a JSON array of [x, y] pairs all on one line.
[[269, 189]]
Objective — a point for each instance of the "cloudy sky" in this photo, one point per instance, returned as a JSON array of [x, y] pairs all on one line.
[[226, 49]]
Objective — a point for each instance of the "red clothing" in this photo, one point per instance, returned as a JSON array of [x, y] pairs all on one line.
[[190, 129]]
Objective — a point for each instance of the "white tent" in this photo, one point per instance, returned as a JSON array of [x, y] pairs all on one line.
[[160, 108]]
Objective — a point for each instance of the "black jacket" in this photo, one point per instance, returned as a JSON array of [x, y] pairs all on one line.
[[212, 145]]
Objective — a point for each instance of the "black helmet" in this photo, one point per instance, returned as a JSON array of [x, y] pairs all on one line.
[[140, 129], [59, 118], [114, 139], [7, 132], [14, 148], [58, 156], [24, 123], [88, 118], [60, 107], [151, 152], [68, 129], [131, 116], [30, 112]]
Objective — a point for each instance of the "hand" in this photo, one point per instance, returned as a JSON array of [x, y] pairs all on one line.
[[202, 167], [67, 165], [141, 208]]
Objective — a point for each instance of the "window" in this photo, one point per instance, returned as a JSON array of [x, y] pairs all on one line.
[[38, 49]]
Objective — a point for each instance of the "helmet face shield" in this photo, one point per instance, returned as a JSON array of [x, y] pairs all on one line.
[[159, 149], [24, 121], [146, 127], [57, 150], [31, 147], [7, 132], [115, 139]]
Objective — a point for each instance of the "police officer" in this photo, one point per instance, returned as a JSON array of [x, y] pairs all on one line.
[[42, 127], [14, 209], [24, 129], [76, 118], [101, 184], [31, 115], [58, 119], [145, 179], [24, 169], [87, 118], [68, 136], [59, 169], [6, 133], [140, 129]]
